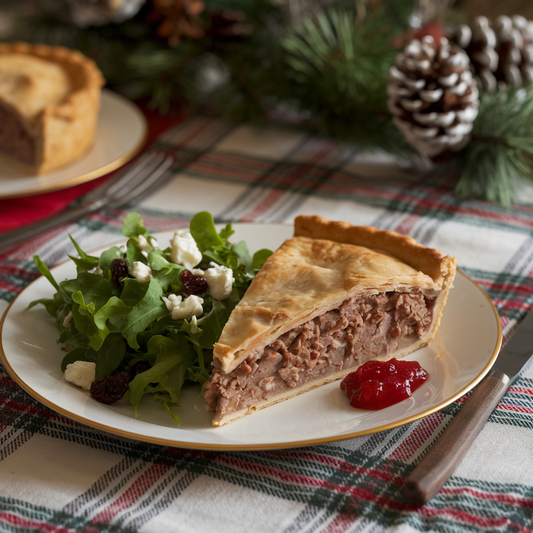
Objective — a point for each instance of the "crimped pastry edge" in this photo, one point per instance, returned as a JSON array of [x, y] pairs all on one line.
[[428, 260]]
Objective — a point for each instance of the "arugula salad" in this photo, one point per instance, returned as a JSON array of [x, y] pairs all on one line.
[[141, 319]]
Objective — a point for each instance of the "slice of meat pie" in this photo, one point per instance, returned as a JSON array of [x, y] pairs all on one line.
[[329, 299]]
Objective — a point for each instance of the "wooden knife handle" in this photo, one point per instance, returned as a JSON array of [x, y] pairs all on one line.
[[444, 456]]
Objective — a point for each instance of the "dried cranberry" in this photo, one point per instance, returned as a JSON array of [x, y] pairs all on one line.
[[119, 269], [109, 389], [379, 384], [123, 375], [192, 284], [139, 367]]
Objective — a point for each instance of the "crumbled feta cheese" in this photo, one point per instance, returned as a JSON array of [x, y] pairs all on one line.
[[219, 278], [145, 253], [81, 373], [67, 319], [172, 301], [179, 308], [184, 250], [97, 271], [141, 272], [151, 242]]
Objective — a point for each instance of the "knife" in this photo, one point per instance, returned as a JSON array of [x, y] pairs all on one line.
[[441, 460]]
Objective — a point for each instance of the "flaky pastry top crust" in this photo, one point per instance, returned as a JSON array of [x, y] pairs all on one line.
[[42, 87], [428, 260], [321, 266], [30, 84]]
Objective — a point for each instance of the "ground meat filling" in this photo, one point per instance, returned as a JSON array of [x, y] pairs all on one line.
[[14, 140], [362, 328]]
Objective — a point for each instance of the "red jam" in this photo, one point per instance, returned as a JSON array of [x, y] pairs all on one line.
[[379, 384]]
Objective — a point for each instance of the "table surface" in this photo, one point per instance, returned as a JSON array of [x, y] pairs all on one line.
[[59, 475]]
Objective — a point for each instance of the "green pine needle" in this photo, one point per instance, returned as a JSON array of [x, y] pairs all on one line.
[[500, 153], [339, 65]]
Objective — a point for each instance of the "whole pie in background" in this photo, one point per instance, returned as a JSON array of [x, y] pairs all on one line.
[[49, 105]]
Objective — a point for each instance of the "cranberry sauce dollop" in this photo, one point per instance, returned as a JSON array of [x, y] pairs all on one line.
[[379, 384]]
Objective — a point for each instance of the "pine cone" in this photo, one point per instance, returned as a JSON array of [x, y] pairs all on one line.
[[502, 53], [433, 96]]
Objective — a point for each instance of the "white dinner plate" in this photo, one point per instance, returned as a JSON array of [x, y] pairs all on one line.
[[121, 132], [463, 351]]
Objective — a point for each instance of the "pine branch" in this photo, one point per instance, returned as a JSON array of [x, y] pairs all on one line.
[[339, 67], [500, 153], [165, 75]]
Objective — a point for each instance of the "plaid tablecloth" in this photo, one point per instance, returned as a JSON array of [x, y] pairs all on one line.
[[57, 475]]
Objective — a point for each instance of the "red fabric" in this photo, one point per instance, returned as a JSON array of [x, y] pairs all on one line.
[[16, 212]]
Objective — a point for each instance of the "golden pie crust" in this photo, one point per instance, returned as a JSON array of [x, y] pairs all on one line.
[[323, 265], [49, 105]]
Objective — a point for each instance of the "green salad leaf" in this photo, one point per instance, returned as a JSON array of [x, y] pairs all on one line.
[[133, 226], [83, 262], [203, 230], [124, 322], [149, 309]]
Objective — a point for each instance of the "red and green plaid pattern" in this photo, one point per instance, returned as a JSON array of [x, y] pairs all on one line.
[[59, 476]]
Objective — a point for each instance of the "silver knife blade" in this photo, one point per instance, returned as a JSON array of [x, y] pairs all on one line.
[[516, 353]]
